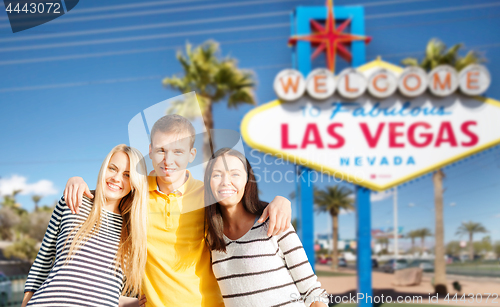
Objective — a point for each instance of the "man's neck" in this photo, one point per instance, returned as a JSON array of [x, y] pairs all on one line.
[[169, 187]]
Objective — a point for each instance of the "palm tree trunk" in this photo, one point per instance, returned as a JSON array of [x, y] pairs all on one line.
[[412, 244], [335, 233], [471, 246], [439, 249], [208, 146], [422, 245]]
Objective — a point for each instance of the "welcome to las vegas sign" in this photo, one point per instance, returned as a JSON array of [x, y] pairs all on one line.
[[378, 125]]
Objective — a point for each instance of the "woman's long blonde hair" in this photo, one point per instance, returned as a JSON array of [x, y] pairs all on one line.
[[132, 251]]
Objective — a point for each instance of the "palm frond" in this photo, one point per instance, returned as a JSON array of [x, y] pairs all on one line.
[[410, 62], [211, 77], [451, 55], [436, 54], [333, 199], [471, 57], [177, 83], [470, 227], [188, 107]]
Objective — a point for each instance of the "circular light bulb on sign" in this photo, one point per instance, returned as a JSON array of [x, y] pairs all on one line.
[[382, 83], [320, 83], [474, 79], [443, 80], [289, 85], [412, 81], [351, 83]]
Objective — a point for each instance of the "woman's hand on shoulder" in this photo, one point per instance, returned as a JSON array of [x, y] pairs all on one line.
[[318, 304], [279, 212], [132, 301], [73, 193]]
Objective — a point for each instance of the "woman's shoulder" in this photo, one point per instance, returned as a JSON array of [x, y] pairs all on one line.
[[87, 203], [88, 200], [259, 230]]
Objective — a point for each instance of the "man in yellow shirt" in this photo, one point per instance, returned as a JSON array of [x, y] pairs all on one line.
[[178, 268]]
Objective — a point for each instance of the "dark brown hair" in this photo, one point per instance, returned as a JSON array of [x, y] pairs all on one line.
[[214, 225], [174, 123]]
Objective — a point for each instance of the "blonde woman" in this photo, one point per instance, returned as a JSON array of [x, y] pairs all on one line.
[[93, 257]]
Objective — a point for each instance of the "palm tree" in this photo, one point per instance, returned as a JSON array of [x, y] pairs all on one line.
[[213, 80], [470, 228], [439, 248], [435, 55], [412, 235], [384, 242], [332, 200], [422, 234], [36, 199], [9, 200]]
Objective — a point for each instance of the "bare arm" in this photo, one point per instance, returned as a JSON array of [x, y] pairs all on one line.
[[27, 297], [132, 301], [73, 193], [279, 212]]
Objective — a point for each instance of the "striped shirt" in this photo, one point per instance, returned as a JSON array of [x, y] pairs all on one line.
[[258, 270], [90, 277]]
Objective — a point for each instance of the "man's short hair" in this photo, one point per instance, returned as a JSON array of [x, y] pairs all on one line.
[[174, 123]]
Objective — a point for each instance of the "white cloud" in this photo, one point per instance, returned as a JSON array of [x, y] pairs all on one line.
[[379, 196], [344, 211], [15, 182], [497, 216]]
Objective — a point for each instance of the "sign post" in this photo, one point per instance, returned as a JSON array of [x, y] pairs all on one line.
[[307, 213], [376, 125], [303, 16], [364, 249]]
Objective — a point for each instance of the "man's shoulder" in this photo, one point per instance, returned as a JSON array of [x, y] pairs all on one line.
[[195, 188], [197, 184]]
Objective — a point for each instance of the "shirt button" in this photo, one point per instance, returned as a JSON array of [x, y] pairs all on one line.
[[168, 213]]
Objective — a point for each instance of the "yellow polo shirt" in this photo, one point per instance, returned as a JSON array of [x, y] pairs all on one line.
[[178, 269]]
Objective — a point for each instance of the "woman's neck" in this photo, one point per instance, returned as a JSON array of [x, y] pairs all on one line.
[[112, 205], [237, 221]]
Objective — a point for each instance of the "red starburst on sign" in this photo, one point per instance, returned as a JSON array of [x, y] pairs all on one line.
[[330, 40]]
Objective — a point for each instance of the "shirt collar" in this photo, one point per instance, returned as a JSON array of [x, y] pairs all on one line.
[[153, 184]]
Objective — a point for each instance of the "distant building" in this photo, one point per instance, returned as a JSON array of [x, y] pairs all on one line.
[[326, 242]]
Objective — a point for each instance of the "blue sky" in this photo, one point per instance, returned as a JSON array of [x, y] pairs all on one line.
[[69, 88]]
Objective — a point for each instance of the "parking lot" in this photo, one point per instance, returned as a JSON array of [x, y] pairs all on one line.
[[345, 282]]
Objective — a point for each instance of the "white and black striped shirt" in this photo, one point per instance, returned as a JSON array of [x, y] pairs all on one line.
[[258, 270], [90, 277]]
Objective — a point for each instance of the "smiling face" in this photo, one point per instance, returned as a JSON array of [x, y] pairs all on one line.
[[171, 153], [117, 177], [228, 180]]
